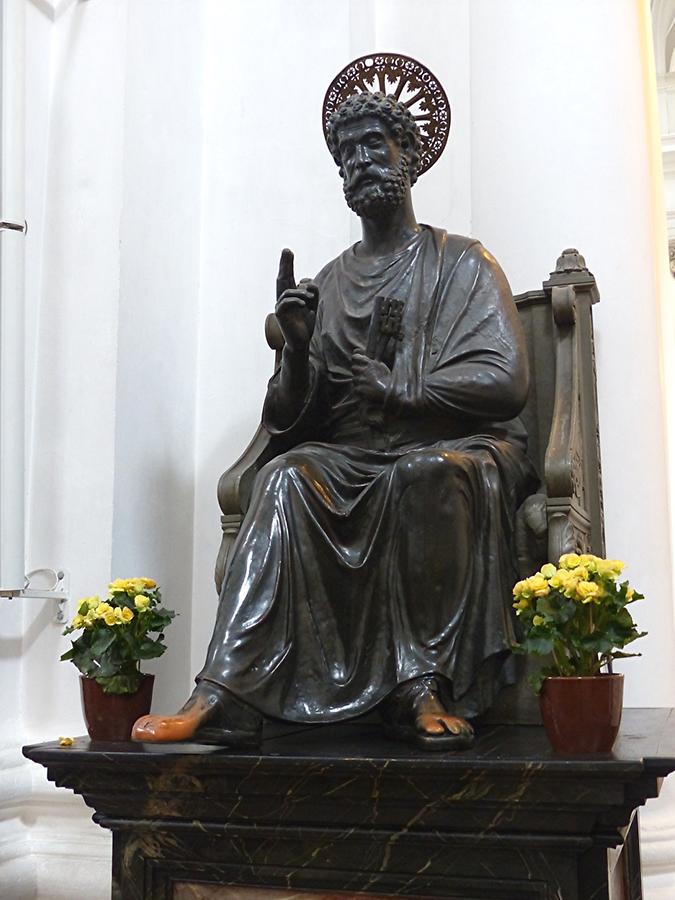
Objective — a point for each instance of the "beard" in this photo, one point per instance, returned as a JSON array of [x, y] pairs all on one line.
[[383, 192]]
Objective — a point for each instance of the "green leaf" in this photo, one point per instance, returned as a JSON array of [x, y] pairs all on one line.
[[596, 643], [150, 649], [536, 681], [539, 645], [559, 609], [123, 599], [103, 639]]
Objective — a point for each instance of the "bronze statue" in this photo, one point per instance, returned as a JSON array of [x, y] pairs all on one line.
[[375, 564]]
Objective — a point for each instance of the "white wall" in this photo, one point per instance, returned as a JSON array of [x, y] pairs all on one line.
[[173, 149], [159, 288], [577, 172]]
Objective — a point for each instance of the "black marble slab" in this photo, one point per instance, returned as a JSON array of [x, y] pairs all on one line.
[[339, 808]]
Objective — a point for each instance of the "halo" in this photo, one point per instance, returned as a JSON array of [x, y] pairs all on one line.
[[409, 82]]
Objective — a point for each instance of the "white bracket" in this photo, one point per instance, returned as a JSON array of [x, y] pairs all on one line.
[[56, 587]]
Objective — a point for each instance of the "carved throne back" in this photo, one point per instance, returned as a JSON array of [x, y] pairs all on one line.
[[561, 418]]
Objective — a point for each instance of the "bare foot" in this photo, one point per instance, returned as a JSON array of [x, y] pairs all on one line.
[[414, 712], [432, 718], [166, 728], [199, 709]]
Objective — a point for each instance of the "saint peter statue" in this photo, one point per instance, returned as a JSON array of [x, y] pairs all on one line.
[[374, 567]]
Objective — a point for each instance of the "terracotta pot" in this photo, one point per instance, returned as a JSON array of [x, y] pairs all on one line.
[[110, 717], [582, 715]]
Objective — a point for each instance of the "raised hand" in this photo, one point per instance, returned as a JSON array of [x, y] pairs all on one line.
[[296, 305], [372, 378]]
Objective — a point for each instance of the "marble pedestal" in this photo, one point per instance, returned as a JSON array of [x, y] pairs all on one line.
[[338, 812]]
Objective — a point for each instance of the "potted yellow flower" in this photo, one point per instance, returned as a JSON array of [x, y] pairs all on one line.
[[116, 634], [576, 613]]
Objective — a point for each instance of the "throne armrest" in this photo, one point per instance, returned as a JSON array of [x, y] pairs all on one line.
[[572, 460], [234, 491], [236, 483]]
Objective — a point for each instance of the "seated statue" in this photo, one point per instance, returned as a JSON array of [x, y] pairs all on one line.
[[374, 567]]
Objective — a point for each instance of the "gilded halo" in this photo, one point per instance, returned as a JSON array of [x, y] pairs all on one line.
[[409, 82]]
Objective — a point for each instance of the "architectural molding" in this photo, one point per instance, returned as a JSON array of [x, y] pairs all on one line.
[[49, 847], [53, 9]]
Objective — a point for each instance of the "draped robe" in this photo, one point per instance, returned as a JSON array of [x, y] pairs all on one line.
[[380, 546]]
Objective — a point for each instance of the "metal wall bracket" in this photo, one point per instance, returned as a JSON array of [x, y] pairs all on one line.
[[14, 226], [57, 588]]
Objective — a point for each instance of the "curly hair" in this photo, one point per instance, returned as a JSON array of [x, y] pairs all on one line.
[[395, 116]]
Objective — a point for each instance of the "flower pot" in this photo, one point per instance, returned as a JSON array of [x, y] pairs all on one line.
[[110, 717], [582, 714]]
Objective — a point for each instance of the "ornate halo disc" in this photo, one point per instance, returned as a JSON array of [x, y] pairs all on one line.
[[411, 83]]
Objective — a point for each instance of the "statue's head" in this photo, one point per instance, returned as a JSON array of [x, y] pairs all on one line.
[[388, 114], [375, 141]]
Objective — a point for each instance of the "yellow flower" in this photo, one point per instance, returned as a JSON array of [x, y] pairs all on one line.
[[127, 614], [102, 609], [522, 604], [538, 620], [141, 603], [538, 585], [87, 603], [136, 586], [66, 742], [610, 568], [110, 618], [149, 583], [569, 561], [590, 561], [560, 579], [570, 587], [549, 570], [588, 591], [89, 619], [118, 585], [629, 593], [580, 572], [78, 621]]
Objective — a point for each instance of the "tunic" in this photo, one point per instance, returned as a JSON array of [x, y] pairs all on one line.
[[380, 546]]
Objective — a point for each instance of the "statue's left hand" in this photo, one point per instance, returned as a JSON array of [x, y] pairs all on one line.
[[372, 378]]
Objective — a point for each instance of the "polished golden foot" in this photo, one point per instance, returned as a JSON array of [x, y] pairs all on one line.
[[198, 710], [415, 713], [212, 715]]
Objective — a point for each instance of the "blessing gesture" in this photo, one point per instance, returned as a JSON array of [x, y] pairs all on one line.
[[296, 305]]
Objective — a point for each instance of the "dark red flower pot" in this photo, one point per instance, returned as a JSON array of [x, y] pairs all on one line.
[[110, 717], [583, 714]]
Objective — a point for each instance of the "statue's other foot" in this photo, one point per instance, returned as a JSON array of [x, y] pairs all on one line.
[[414, 713], [212, 715]]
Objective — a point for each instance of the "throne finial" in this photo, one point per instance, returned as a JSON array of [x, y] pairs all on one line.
[[571, 268]]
